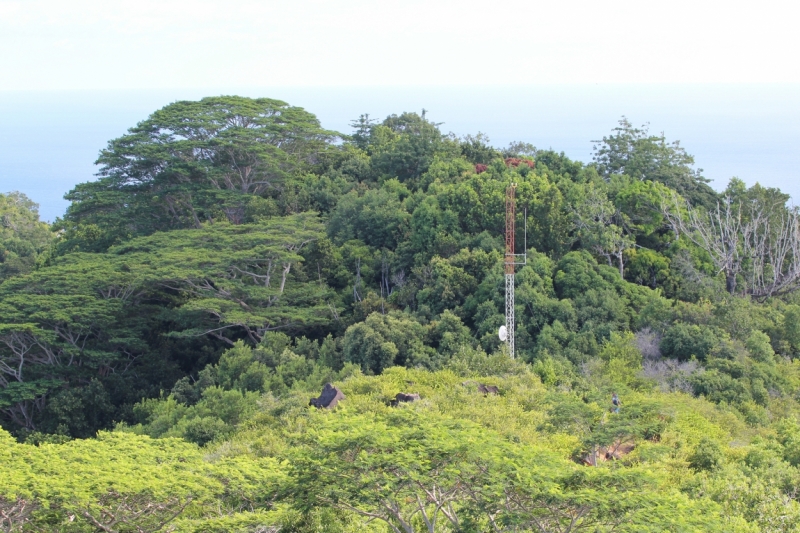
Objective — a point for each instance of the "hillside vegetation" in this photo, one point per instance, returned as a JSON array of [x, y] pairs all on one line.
[[159, 344]]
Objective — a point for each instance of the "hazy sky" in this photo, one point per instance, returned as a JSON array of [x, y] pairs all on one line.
[[138, 44], [723, 77]]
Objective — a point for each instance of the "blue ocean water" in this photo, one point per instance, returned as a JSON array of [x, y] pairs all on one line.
[[50, 140]]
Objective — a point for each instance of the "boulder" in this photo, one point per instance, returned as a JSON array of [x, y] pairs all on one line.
[[328, 399], [484, 389], [403, 397], [615, 451], [488, 389]]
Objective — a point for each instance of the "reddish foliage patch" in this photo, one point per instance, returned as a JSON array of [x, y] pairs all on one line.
[[608, 453], [515, 162]]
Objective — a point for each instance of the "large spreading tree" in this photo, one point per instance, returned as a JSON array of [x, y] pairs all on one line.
[[192, 162]]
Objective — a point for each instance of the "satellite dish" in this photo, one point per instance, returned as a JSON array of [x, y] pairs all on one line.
[[502, 333]]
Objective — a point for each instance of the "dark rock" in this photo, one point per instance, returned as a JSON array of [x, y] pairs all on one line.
[[488, 389], [485, 389], [403, 397], [328, 399]]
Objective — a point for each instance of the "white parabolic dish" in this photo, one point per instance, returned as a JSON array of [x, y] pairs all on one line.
[[502, 333]]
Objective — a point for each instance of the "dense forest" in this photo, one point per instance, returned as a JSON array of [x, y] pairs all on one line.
[[159, 344]]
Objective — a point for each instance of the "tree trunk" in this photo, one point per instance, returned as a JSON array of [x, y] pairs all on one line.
[[730, 282]]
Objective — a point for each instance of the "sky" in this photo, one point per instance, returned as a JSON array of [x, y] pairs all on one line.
[[156, 44], [722, 77]]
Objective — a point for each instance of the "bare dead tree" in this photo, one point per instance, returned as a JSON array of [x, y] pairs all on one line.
[[601, 228], [14, 514], [357, 282], [754, 241], [386, 289], [670, 374], [434, 504], [775, 252], [134, 512]]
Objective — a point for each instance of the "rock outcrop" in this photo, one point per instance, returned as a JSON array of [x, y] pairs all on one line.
[[328, 399], [403, 397]]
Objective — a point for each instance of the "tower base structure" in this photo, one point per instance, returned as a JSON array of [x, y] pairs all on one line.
[[510, 314]]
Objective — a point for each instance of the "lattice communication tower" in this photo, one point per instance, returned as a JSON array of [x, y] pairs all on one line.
[[510, 264]]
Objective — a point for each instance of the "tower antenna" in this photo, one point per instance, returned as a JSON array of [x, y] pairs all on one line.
[[506, 332]]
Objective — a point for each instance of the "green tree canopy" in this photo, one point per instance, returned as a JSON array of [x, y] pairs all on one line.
[[23, 237], [190, 162], [89, 315], [636, 153]]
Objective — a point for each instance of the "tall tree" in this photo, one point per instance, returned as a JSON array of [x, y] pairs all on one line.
[[236, 279], [404, 146], [193, 161], [640, 155], [22, 235], [85, 316]]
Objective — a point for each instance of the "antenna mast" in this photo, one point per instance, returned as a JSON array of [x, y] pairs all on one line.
[[509, 266]]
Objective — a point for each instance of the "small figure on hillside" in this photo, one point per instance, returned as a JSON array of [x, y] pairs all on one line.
[[615, 402]]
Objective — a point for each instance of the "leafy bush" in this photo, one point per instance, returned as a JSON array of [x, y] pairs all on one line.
[[684, 341], [203, 430], [707, 455]]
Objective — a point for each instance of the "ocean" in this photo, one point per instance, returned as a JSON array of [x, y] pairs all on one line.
[[50, 140]]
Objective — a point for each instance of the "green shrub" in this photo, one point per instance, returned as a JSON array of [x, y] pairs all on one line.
[[684, 341], [203, 430], [707, 455]]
